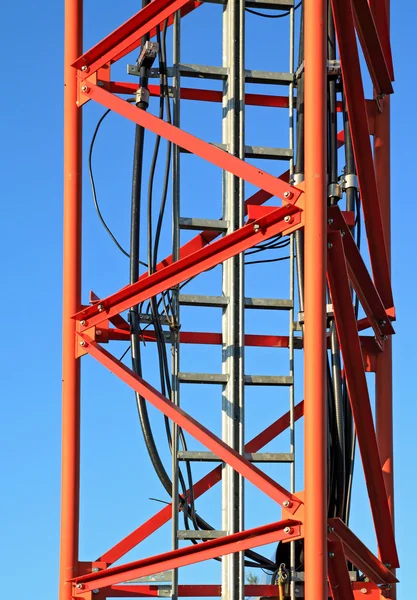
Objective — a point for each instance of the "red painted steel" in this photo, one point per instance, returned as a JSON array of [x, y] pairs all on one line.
[[188, 591], [339, 578], [70, 472], [352, 80], [359, 554], [315, 415], [207, 482], [191, 265], [359, 397], [193, 427], [127, 37], [372, 48], [190, 555], [360, 278], [196, 146]]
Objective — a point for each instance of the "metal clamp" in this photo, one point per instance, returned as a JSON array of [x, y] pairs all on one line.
[[142, 96], [333, 67], [350, 181], [147, 55], [334, 190]]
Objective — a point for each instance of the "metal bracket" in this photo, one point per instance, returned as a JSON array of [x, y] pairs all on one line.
[[147, 55]]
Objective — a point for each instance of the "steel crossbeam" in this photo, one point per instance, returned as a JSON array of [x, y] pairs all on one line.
[[251, 538]]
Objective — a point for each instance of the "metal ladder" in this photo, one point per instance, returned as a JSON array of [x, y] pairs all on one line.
[[233, 302]]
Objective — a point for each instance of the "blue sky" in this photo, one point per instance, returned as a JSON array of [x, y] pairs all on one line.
[[115, 470]]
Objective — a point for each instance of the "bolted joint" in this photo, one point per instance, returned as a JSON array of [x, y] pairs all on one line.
[[287, 504], [82, 343], [364, 591], [85, 89], [331, 554], [256, 227], [100, 308], [288, 530], [96, 591], [329, 245], [288, 195], [79, 586], [330, 529], [95, 570], [288, 219], [329, 221], [83, 322]]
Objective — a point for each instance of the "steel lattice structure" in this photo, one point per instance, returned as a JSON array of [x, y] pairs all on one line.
[[305, 207]]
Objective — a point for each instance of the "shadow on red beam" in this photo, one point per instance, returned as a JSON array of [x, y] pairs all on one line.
[[237, 542], [204, 484], [358, 554], [359, 396], [188, 591]]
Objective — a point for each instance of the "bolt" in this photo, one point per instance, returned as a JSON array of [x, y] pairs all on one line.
[[287, 195], [288, 219], [287, 530], [330, 529], [331, 554], [82, 322], [286, 504], [297, 590], [84, 68], [98, 331], [382, 322], [79, 586], [330, 221], [100, 83], [100, 308], [82, 343], [256, 227], [363, 590], [96, 569], [84, 89], [343, 232], [330, 245], [96, 591]]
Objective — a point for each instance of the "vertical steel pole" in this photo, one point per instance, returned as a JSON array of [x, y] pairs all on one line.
[[315, 462], [383, 375], [233, 288], [176, 83], [71, 303]]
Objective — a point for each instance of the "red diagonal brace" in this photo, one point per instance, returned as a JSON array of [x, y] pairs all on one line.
[[190, 555], [361, 279], [127, 37], [339, 579], [195, 145], [359, 397], [183, 269], [207, 482], [193, 427], [372, 48], [352, 80], [358, 554]]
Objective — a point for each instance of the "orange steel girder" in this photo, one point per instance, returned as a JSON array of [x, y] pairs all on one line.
[[301, 207]]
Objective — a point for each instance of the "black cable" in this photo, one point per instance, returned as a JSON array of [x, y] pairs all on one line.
[[284, 14], [93, 186], [266, 260]]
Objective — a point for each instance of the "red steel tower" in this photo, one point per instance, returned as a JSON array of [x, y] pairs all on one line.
[[340, 304]]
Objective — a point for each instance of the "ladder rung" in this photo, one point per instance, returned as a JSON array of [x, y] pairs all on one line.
[[276, 4], [212, 534], [196, 300], [268, 303], [215, 378], [268, 153], [268, 380], [203, 224], [221, 301], [202, 377], [263, 152], [265, 457]]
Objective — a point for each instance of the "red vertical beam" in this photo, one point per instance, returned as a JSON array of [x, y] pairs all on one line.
[[383, 378], [71, 304], [315, 301]]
